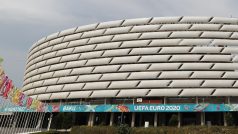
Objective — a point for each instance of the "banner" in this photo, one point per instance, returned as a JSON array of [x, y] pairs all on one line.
[[128, 108], [150, 108], [13, 99]]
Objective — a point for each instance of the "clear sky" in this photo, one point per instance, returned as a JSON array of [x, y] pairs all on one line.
[[23, 22]]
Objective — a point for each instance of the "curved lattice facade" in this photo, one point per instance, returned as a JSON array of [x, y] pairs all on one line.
[[146, 57]]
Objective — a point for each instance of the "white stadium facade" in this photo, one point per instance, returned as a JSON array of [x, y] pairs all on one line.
[[149, 68]]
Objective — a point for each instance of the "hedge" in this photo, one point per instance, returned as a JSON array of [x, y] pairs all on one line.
[[157, 130]]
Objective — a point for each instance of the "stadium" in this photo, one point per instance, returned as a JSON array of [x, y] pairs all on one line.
[[139, 71]]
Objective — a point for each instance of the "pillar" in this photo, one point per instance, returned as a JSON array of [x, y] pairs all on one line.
[[105, 101], [165, 100], [202, 118], [229, 100], [179, 120], [74, 118], [162, 121], [140, 120], [156, 120], [91, 119], [133, 119], [197, 100], [49, 123], [111, 118], [220, 119], [224, 117]]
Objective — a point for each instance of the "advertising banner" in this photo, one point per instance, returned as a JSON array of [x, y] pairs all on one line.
[[129, 108], [150, 108], [13, 99]]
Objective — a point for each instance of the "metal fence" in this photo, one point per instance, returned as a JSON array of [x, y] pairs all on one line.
[[18, 112]]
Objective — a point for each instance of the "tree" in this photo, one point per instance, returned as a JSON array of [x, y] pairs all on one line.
[[229, 119], [62, 121], [57, 121], [173, 121], [67, 120]]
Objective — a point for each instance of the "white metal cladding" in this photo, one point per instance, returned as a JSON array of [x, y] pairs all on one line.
[[160, 56]]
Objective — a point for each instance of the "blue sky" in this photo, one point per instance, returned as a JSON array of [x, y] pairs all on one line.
[[23, 22]]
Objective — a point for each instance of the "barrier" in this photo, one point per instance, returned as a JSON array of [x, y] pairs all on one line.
[[18, 112]]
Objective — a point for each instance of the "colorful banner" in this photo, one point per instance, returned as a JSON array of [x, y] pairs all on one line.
[[150, 108], [13, 99], [129, 108]]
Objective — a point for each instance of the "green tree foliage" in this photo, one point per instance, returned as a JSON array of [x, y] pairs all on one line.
[[229, 119], [156, 130], [173, 121], [62, 121], [67, 121], [123, 129]]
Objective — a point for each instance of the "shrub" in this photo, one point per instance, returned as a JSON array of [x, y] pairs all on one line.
[[52, 132], [123, 129], [93, 130], [67, 120], [57, 121], [152, 130], [173, 121], [229, 119], [62, 121]]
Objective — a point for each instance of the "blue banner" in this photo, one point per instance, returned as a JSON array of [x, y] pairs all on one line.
[[203, 107], [148, 108]]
